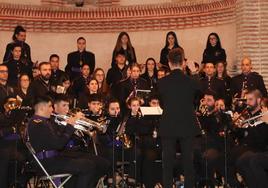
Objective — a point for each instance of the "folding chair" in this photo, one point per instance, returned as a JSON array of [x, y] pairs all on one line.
[[47, 177]]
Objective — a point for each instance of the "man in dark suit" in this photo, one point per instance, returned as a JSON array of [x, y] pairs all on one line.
[[56, 73], [42, 86], [76, 59], [177, 92], [247, 80], [211, 82]]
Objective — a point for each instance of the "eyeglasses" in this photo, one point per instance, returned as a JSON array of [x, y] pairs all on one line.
[[3, 71], [212, 38], [25, 80]]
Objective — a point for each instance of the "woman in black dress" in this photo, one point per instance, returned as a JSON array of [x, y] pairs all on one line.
[[213, 52], [171, 43], [123, 43], [221, 73], [150, 74]]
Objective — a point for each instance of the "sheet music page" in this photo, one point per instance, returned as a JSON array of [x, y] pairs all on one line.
[[146, 110]]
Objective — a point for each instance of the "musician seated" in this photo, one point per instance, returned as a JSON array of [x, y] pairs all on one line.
[[48, 145], [114, 115], [94, 111], [151, 148], [253, 164], [77, 145], [248, 139], [209, 147], [136, 129], [128, 87], [11, 145]]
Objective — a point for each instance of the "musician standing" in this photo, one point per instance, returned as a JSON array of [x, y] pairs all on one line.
[[178, 120]]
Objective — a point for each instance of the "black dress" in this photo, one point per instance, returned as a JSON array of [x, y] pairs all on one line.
[[164, 55], [214, 55]]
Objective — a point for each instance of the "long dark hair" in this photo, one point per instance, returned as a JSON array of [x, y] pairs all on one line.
[[224, 74], [218, 44], [146, 68], [17, 30], [104, 86], [176, 43], [118, 44]]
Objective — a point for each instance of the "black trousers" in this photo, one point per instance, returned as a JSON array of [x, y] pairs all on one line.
[[10, 151], [168, 158]]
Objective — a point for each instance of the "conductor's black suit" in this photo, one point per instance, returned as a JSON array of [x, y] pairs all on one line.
[[178, 122]]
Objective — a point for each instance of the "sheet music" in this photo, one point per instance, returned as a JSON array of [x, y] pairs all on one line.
[[146, 110]]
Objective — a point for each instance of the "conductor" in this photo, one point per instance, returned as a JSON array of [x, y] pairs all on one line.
[[178, 122]]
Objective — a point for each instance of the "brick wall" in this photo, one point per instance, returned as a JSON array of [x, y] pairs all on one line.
[[252, 33]]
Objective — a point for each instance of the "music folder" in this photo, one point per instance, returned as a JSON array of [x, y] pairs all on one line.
[[143, 93], [151, 111]]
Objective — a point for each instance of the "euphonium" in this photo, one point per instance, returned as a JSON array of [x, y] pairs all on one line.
[[12, 104], [203, 108]]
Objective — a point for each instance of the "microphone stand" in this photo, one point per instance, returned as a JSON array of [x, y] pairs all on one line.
[[225, 119], [120, 130], [113, 150]]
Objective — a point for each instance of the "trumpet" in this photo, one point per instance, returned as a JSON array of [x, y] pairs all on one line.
[[254, 121], [79, 124], [83, 124], [100, 126]]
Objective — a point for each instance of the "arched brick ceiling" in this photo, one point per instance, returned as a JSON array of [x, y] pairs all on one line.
[[186, 14]]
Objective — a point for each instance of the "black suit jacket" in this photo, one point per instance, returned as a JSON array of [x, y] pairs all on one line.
[[214, 84], [73, 63], [177, 92], [25, 53], [251, 81]]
